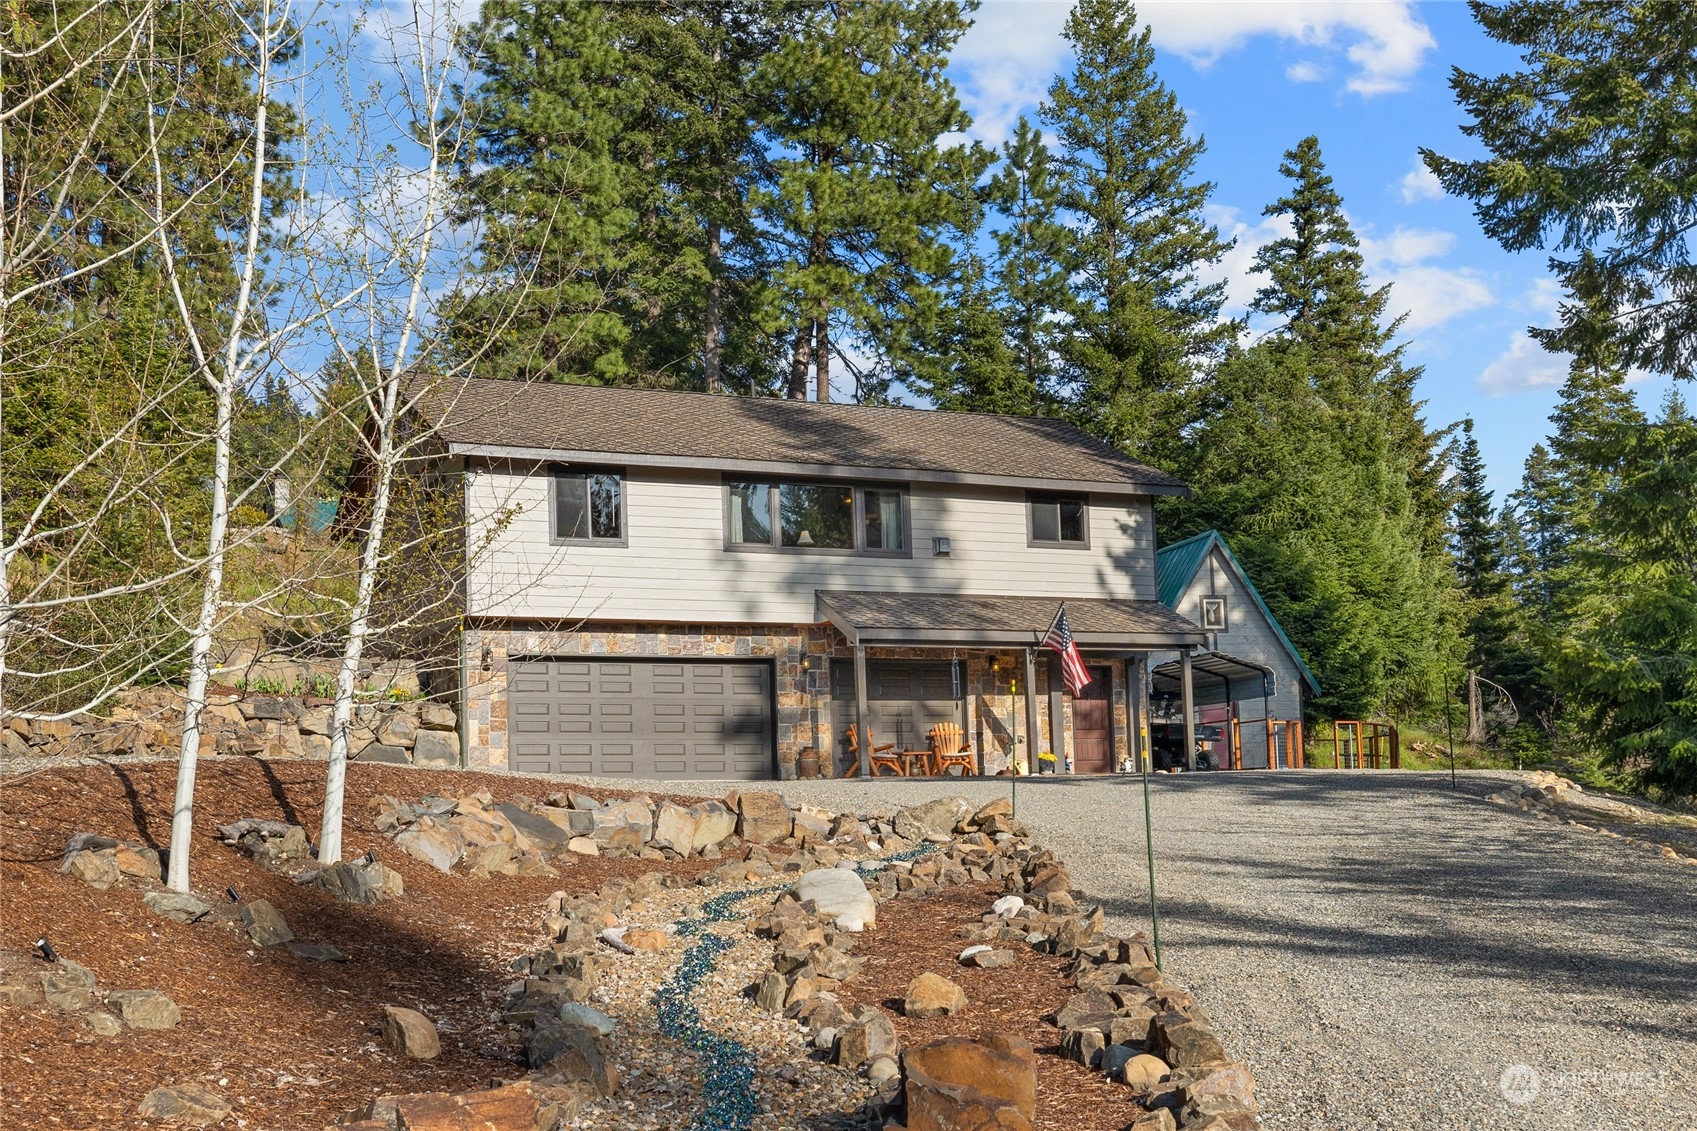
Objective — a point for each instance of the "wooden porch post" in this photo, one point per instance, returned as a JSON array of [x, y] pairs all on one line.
[[1057, 714], [860, 710], [1267, 719], [1188, 698], [1031, 708], [1134, 710]]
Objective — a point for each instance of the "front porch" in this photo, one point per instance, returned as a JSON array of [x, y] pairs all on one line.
[[908, 662]]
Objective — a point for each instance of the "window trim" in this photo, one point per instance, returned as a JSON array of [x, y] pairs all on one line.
[[776, 546], [1225, 616], [1032, 499], [560, 471]]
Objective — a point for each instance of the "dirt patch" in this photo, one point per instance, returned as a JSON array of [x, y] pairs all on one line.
[[914, 936], [291, 1043]]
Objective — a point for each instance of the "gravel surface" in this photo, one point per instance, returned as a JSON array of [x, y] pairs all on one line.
[[1382, 950]]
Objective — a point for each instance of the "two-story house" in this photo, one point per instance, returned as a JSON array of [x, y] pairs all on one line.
[[684, 585]]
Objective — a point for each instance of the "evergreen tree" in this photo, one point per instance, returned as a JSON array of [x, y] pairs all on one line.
[[1031, 257], [1141, 330], [542, 180], [964, 358], [1478, 553], [1629, 663], [1590, 148], [864, 202], [1317, 468]]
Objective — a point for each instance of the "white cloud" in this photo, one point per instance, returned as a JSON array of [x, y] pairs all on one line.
[[1420, 183], [1430, 293], [1305, 71], [1004, 63], [1525, 365], [1237, 267], [1385, 41]]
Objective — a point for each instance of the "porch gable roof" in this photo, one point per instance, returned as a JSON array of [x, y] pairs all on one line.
[[984, 620]]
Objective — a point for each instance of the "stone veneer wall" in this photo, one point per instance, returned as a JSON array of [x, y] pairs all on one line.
[[804, 694]]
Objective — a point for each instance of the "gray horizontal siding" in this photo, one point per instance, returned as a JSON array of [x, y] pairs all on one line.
[[675, 566]]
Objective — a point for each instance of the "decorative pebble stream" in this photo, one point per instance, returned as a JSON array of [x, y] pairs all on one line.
[[728, 1080]]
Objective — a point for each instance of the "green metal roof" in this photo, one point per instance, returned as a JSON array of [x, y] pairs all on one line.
[[1177, 564]]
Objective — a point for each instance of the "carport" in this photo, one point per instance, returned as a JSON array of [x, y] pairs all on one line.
[[1205, 678]]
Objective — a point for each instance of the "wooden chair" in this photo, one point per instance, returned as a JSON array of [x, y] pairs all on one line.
[[881, 754], [950, 748]]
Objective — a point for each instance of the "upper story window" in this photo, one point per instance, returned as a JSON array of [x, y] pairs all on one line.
[[804, 516], [589, 505], [1059, 520]]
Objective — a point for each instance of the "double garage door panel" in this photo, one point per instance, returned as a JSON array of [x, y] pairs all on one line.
[[641, 719]]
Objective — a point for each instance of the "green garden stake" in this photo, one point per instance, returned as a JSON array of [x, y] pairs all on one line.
[[1149, 845]]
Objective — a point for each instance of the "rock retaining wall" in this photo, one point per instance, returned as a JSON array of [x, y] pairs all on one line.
[[415, 732]]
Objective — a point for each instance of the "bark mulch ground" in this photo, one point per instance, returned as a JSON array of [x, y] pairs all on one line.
[[289, 1042], [916, 935]]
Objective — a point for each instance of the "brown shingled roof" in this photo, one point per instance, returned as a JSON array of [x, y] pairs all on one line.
[[920, 617], [660, 427]]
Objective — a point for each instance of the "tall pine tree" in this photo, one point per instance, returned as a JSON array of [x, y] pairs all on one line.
[[1141, 331], [866, 203], [1031, 258]]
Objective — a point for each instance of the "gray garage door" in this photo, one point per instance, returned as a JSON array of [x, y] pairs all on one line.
[[642, 719]]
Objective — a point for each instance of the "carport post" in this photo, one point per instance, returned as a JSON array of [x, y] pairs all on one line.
[[865, 743], [1189, 701], [1267, 721]]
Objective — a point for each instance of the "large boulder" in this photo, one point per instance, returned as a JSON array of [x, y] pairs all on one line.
[[98, 868], [674, 828], [1226, 1090], [571, 1054], [517, 1106], [184, 1103], [138, 861], [436, 748], [435, 842], [550, 839], [959, 1084], [870, 1035], [934, 820], [623, 824], [838, 892], [932, 995], [714, 821], [410, 1033], [1185, 1043], [358, 882], [265, 924], [181, 906], [69, 987], [145, 1009], [762, 817]]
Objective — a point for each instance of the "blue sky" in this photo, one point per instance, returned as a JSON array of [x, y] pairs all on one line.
[[1371, 81]]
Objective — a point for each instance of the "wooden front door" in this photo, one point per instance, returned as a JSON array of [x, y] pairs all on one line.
[[1093, 726]]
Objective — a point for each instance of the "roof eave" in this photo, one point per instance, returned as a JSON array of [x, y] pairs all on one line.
[[1117, 487]]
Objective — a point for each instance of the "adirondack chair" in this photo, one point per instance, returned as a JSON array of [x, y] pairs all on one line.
[[881, 754], [950, 748]]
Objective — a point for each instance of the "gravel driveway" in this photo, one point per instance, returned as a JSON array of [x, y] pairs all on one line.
[[1381, 950]]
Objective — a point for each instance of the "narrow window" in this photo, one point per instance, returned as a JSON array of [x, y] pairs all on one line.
[[1059, 519], [884, 521], [1214, 614], [751, 514], [816, 516], [588, 506]]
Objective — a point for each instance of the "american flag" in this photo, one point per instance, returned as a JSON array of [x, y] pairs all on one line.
[[1073, 672]]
